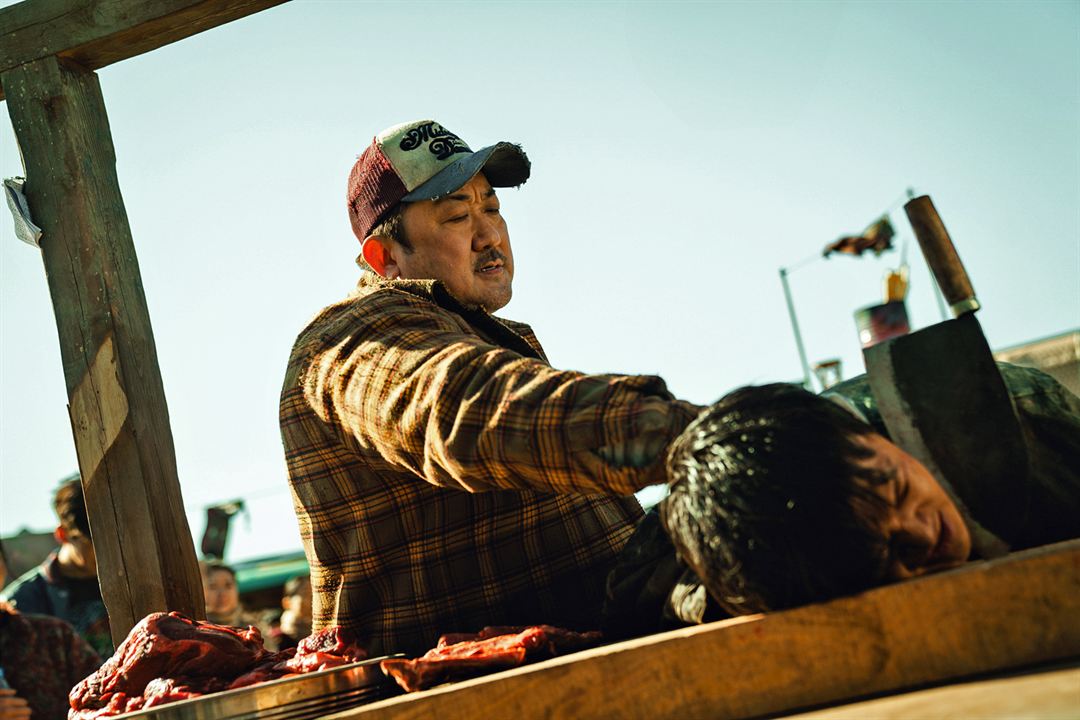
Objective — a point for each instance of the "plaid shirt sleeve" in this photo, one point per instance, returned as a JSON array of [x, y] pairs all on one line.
[[412, 383]]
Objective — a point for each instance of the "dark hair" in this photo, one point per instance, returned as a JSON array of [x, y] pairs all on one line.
[[70, 506], [392, 227], [208, 567], [768, 503]]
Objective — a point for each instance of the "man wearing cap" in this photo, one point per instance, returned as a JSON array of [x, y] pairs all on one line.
[[444, 475]]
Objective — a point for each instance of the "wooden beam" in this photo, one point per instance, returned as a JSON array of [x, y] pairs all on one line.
[[146, 558], [96, 33], [1016, 611], [1049, 694]]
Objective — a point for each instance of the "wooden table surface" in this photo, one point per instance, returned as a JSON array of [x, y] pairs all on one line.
[[1015, 612], [1050, 694]]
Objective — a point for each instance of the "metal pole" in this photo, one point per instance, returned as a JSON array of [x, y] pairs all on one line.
[[795, 327]]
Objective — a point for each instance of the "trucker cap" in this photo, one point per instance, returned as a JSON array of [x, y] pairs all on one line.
[[422, 160]]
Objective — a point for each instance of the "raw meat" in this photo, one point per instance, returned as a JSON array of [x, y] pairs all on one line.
[[118, 704], [463, 655], [169, 657], [325, 649], [265, 669], [160, 691], [328, 648], [168, 645]]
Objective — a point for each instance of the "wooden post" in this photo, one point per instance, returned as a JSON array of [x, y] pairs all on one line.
[[117, 403]]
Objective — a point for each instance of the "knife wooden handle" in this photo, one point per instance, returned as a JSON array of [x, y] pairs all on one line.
[[941, 255]]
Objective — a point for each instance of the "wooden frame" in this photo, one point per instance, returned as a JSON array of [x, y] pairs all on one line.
[[119, 417], [96, 33], [1022, 609]]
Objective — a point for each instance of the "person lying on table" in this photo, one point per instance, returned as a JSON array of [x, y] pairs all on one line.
[[444, 475], [781, 498]]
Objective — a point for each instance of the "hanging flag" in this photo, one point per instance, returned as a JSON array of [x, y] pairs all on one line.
[[878, 238]]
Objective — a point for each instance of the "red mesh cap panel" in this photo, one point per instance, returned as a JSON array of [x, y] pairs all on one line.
[[374, 189]]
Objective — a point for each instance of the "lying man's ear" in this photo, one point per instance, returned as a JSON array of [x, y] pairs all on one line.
[[378, 254]]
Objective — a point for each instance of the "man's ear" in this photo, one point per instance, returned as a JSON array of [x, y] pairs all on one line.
[[377, 253], [60, 534]]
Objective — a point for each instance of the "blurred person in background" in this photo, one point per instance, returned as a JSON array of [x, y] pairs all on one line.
[[65, 585], [222, 595], [42, 658], [295, 622]]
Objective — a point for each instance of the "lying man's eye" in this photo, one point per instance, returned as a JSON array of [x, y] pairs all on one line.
[[902, 488]]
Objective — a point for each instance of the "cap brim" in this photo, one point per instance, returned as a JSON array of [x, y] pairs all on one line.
[[504, 165]]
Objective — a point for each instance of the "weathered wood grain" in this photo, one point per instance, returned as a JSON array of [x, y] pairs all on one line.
[[118, 412], [96, 33], [1052, 694], [1016, 611]]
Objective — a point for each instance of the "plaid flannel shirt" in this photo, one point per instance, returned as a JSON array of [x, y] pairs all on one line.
[[445, 477]]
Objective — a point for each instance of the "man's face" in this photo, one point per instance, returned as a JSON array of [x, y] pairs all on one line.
[[461, 240], [80, 550], [922, 524]]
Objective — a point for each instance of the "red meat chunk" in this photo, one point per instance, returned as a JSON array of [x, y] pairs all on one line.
[[169, 657], [265, 669], [161, 691], [334, 641], [118, 704], [168, 645], [464, 655], [488, 632], [325, 649]]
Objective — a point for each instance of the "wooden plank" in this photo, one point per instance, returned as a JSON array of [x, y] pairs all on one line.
[[119, 418], [1019, 610], [1047, 695], [96, 33]]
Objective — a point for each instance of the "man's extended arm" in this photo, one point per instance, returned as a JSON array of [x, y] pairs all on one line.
[[428, 396]]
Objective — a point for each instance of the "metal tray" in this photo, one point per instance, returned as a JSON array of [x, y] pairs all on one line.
[[310, 695]]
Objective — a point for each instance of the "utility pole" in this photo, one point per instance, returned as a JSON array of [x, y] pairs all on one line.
[[795, 328]]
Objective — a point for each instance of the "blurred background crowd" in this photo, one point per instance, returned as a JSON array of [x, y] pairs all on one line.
[[54, 628]]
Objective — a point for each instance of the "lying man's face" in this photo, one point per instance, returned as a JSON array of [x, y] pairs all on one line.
[[781, 498], [922, 525]]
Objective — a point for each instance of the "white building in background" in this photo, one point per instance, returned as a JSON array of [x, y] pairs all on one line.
[[1058, 355]]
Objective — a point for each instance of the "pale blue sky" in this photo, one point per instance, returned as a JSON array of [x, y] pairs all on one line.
[[682, 152]]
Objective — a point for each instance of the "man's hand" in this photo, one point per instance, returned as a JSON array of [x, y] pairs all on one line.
[[13, 707], [639, 452], [656, 427]]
